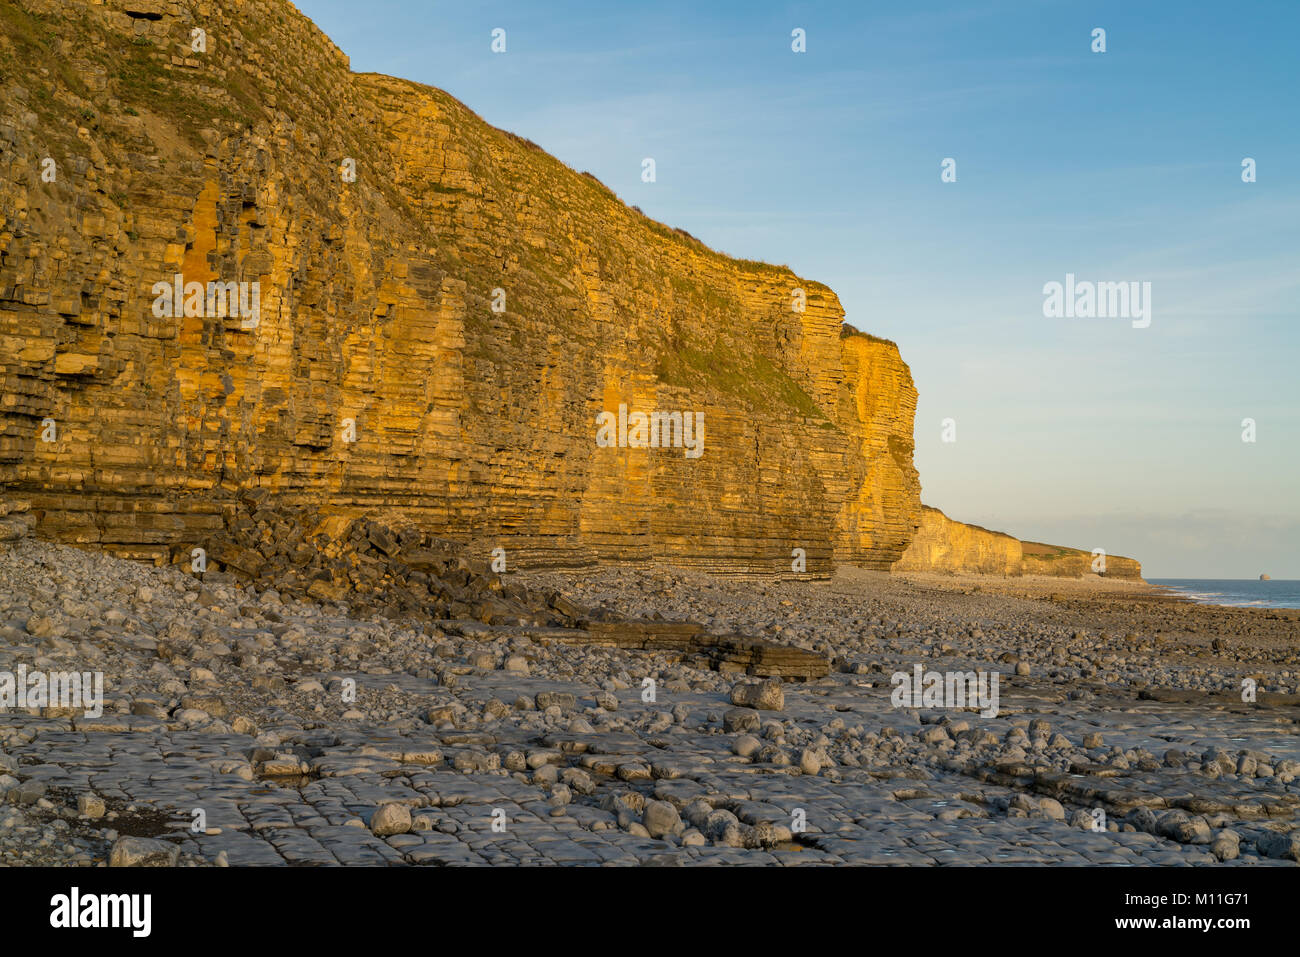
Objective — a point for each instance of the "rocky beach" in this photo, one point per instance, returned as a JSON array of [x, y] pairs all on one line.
[[228, 736]]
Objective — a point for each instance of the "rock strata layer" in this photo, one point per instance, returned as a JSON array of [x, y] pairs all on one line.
[[401, 572], [442, 311]]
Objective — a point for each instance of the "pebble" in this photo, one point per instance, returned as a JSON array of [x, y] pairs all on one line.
[[764, 696], [143, 852], [390, 819]]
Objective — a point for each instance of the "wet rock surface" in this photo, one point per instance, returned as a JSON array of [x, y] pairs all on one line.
[[244, 725]]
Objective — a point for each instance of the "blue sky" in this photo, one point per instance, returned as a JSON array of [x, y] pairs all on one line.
[[1115, 166]]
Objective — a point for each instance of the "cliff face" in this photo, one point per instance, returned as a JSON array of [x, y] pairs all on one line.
[[376, 373], [945, 545], [1063, 562]]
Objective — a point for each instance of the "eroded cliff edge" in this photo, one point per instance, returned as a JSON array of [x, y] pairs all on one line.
[[945, 545], [376, 309]]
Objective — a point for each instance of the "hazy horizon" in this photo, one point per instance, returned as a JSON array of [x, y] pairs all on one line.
[[1122, 166]]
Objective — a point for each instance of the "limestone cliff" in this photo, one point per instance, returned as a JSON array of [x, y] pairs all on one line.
[[436, 335], [945, 545], [1064, 562]]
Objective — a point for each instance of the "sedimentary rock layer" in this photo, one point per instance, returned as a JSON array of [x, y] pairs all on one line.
[[376, 373], [401, 573]]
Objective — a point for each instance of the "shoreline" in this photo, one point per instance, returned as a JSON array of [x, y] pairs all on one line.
[[1243, 604], [1094, 588]]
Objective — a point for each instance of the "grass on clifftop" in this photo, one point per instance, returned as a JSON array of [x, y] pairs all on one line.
[[1044, 552], [847, 330]]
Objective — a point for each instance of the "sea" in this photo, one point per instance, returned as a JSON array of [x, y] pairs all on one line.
[[1237, 592]]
